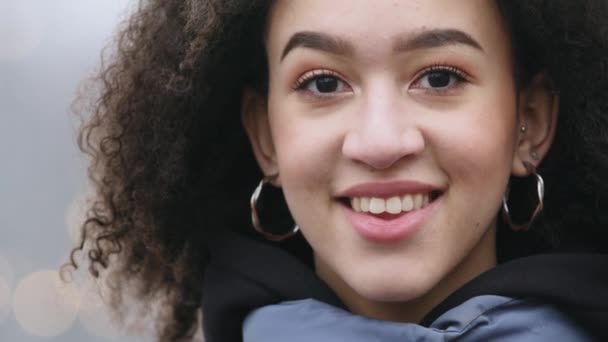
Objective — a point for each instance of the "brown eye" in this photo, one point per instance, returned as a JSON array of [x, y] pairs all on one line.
[[439, 79], [326, 84], [322, 84]]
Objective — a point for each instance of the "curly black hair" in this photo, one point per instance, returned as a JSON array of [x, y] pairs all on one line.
[[171, 162]]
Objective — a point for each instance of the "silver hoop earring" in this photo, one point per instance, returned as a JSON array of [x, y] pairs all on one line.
[[540, 190], [255, 218]]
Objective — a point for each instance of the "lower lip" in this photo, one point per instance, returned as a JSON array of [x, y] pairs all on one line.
[[376, 229]]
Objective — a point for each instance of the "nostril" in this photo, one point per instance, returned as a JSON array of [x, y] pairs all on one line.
[[383, 149]]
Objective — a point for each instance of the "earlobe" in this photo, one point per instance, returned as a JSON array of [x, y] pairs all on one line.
[[254, 116], [538, 113]]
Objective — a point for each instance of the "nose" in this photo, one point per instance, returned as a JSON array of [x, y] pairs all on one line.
[[382, 137]]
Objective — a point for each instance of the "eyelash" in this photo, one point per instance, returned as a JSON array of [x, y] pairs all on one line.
[[443, 67], [461, 77], [304, 81], [312, 75]]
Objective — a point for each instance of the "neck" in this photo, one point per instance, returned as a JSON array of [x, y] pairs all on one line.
[[481, 258]]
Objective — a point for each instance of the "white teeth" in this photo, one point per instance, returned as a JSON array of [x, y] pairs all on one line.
[[377, 206], [365, 204], [418, 200], [408, 203], [394, 205], [425, 201], [355, 203]]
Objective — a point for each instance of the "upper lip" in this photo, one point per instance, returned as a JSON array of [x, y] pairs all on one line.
[[388, 189]]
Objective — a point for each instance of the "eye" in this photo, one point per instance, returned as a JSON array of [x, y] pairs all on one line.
[[440, 79], [321, 83]]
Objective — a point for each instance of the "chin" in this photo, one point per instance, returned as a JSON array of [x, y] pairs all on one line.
[[392, 289]]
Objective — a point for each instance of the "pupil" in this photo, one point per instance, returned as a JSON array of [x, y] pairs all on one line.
[[327, 84], [439, 79]]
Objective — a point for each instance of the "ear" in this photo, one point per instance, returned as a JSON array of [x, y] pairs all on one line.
[[254, 116], [538, 110]]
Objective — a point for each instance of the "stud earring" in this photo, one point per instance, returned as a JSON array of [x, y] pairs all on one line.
[[523, 129], [534, 155]]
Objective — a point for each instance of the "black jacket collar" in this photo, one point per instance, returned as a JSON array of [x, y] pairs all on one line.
[[245, 274], [575, 283]]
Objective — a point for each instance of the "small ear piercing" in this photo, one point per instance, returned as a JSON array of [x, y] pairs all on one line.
[[534, 155], [523, 129]]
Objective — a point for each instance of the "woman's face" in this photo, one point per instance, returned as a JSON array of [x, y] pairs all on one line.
[[392, 125]]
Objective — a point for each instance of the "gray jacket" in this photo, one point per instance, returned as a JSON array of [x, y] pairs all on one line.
[[482, 318], [258, 292]]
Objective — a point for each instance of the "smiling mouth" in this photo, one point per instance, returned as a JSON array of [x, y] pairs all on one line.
[[391, 207]]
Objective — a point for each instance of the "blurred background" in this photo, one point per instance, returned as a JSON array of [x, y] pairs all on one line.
[[46, 49]]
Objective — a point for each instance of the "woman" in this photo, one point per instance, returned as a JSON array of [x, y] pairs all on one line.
[[442, 165]]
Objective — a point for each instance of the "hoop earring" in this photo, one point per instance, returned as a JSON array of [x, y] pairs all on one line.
[[255, 218], [540, 189]]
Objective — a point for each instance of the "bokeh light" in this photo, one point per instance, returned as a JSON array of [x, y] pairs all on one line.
[[94, 314], [5, 299], [44, 305], [21, 29]]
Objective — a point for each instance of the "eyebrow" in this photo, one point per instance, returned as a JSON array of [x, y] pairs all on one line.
[[338, 46], [318, 41], [434, 39]]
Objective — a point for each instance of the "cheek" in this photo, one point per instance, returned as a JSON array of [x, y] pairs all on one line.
[[475, 151], [308, 151], [305, 151], [470, 148], [480, 137]]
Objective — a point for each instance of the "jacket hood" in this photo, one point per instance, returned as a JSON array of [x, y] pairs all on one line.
[[245, 274], [575, 283]]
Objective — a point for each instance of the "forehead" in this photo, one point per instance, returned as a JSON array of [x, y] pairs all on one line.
[[375, 25]]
